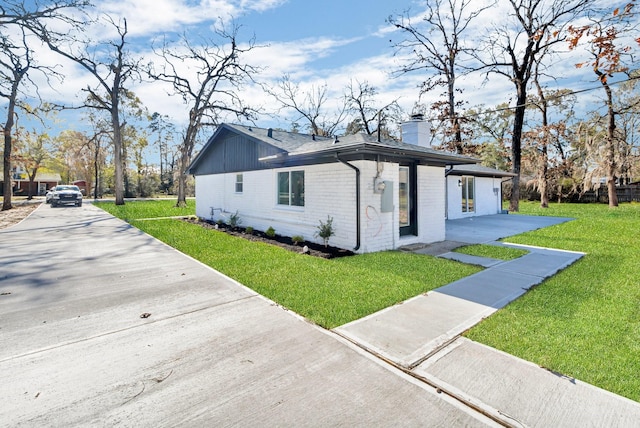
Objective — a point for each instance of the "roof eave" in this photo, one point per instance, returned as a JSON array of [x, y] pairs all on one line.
[[442, 159]]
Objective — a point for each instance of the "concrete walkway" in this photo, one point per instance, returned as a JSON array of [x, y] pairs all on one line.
[[409, 333], [422, 336]]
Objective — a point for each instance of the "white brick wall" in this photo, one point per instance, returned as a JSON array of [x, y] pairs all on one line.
[[379, 230], [329, 190]]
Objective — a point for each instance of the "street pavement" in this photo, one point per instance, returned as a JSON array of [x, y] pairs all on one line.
[[102, 325]]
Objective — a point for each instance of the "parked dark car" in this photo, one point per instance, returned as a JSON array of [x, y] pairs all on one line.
[[66, 195]]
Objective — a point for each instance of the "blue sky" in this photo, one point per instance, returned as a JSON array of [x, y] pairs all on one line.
[[317, 43], [324, 42]]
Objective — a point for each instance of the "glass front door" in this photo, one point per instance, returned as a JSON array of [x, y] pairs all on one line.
[[407, 202]]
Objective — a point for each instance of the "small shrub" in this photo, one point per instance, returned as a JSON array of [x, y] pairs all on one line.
[[297, 239], [234, 220], [249, 230], [325, 230], [219, 222], [271, 232]]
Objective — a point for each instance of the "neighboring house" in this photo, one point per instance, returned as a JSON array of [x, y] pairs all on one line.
[[474, 190], [381, 194], [82, 184], [42, 182]]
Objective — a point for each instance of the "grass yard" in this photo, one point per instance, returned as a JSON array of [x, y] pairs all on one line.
[[585, 321], [327, 292], [148, 209], [491, 251]]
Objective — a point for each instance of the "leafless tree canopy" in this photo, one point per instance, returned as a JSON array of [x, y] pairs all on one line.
[[512, 50], [310, 106], [437, 46], [368, 115], [18, 21], [112, 72], [209, 78]]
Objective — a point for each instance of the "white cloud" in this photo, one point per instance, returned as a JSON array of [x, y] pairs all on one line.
[[146, 17]]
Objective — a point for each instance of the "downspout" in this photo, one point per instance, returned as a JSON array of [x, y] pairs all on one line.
[[357, 247], [447, 171]]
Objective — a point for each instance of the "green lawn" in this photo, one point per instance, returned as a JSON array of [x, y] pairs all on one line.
[[491, 251], [148, 209], [328, 292], [585, 321]]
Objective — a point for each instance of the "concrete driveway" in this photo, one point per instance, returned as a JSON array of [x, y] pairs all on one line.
[[207, 351]]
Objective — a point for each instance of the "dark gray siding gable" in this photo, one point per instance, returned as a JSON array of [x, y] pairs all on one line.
[[231, 152]]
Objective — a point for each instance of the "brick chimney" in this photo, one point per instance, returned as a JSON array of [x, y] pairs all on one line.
[[417, 131]]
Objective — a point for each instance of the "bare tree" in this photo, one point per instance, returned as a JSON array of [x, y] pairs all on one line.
[[25, 13], [165, 130], [310, 105], [437, 47], [607, 48], [515, 47], [549, 137], [112, 71], [628, 124], [17, 21], [548, 140], [211, 92], [15, 63], [369, 117]]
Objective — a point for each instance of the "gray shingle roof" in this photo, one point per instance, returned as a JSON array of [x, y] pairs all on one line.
[[297, 144]]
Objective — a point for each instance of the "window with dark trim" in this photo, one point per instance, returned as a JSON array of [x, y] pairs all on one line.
[[239, 183], [291, 188]]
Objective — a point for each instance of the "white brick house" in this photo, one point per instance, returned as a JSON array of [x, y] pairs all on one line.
[[381, 194]]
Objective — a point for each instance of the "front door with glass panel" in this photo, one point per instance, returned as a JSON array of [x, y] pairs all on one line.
[[407, 204]]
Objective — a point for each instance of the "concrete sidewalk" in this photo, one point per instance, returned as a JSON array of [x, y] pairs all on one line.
[[422, 336], [412, 331]]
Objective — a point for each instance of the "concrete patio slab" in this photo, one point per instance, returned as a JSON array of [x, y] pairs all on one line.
[[484, 229]]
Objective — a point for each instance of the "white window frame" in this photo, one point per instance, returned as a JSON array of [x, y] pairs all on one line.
[[239, 181]]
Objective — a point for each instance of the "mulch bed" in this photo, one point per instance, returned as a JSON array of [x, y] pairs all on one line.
[[316, 250]]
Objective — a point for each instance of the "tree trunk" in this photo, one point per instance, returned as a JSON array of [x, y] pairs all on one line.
[[182, 179], [117, 152], [543, 173], [516, 145], [544, 194], [611, 148], [95, 170], [185, 157], [455, 123], [32, 179], [7, 190], [8, 146]]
